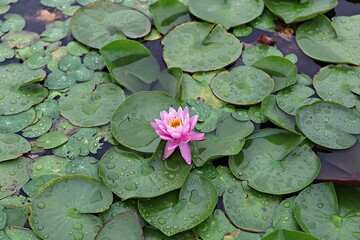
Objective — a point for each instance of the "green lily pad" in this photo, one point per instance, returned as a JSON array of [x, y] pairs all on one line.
[[76, 48], [47, 165], [38, 128], [94, 61], [271, 110], [55, 31], [168, 13], [124, 224], [242, 31], [329, 124], [256, 52], [285, 234], [317, 36], [223, 179], [200, 90], [69, 62], [17, 122], [99, 23], [284, 215], [88, 104], [199, 108], [58, 79], [143, 177], [6, 52], [18, 233], [21, 92], [195, 202], [39, 60], [12, 146], [73, 214], [131, 64], [249, 209], [153, 234], [14, 22], [48, 108], [3, 217], [275, 168], [329, 87], [290, 99], [256, 115], [169, 81], [228, 139], [51, 140], [242, 235], [204, 47], [242, 86], [13, 176], [227, 13], [281, 69], [83, 165], [118, 208], [328, 212], [266, 21], [298, 11], [215, 227], [20, 39], [130, 124], [35, 184], [56, 3], [16, 209]]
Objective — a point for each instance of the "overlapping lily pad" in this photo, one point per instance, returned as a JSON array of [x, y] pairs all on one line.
[[297, 11], [253, 53], [328, 212], [13, 176], [129, 175], [227, 13], [15, 123], [285, 234], [12, 146], [317, 36], [270, 161], [338, 84], [130, 124], [242, 86], [329, 124], [89, 104], [195, 202], [73, 214], [131, 64], [19, 88], [204, 47], [99, 23]]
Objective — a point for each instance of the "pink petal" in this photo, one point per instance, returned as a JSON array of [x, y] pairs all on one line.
[[155, 125], [169, 148], [164, 136], [175, 135], [196, 136], [186, 130], [186, 110], [193, 121], [185, 151]]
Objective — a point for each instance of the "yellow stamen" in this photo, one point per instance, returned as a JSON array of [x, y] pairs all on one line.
[[175, 122]]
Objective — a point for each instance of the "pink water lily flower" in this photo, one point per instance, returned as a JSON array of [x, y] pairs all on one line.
[[176, 128]]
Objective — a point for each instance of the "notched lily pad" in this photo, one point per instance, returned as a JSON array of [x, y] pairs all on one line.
[[20, 39], [204, 47], [99, 23], [51, 140], [12, 146], [227, 13], [17, 122], [242, 86], [329, 124], [317, 36], [89, 104]]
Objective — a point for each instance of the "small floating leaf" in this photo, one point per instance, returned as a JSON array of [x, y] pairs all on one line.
[[12, 146]]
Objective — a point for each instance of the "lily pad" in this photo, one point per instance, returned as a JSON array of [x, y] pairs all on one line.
[[20, 39], [47, 165], [35, 184], [284, 215], [195, 201], [297, 11], [227, 13], [169, 81], [130, 124], [204, 47], [38, 128], [256, 52], [275, 168], [228, 139], [271, 110], [291, 98], [266, 21], [118, 208], [99, 23], [13, 176], [18, 233], [282, 70], [329, 124], [13, 22], [168, 13], [317, 36], [249, 209], [83, 165], [6, 52], [242, 86], [12, 146], [39, 60], [17, 122], [51, 140], [129, 175], [285, 234], [151, 233], [22, 91], [94, 61], [215, 227], [88, 104], [329, 87], [327, 212], [3, 217], [131, 64], [73, 214]]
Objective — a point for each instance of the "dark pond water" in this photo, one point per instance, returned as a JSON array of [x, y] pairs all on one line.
[[339, 166]]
